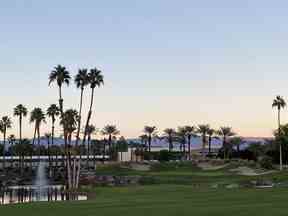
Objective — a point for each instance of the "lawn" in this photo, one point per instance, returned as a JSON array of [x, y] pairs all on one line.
[[175, 189], [164, 200]]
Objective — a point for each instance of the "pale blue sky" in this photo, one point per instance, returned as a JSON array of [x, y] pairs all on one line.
[[165, 62]]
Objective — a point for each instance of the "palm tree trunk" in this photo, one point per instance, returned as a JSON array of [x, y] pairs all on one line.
[[60, 100], [39, 147], [189, 147], [210, 142], [79, 119], [4, 145], [21, 161], [280, 144], [88, 117]]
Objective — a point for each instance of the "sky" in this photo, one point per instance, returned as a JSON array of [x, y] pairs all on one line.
[[166, 63]]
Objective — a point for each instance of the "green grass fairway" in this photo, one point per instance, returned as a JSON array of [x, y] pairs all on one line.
[[164, 200]]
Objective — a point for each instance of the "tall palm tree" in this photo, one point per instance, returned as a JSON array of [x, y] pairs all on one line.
[[150, 131], [53, 111], [61, 76], [37, 116], [81, 80], [110, 131], [210, 133], [203, 130], [190, 132], [20, 111], [225, 133], [5, 124], [279, 103], [96, 79], [169, 135]]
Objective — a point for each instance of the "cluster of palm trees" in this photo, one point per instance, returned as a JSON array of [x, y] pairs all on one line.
[[70, 120], [184, 135]]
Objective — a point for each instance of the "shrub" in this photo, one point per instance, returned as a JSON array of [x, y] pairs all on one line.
[[266, 162]]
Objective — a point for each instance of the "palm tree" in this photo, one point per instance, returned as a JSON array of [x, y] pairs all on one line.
[[37, 116], [11, 141], [150, 131], [144, 140], [81, 80], [48, 137], [169, 135], [279, 103], [210, 133], [203, 130], [20, 111], [53, 111], [90, 131], [96, 79], [190, 132], [5, 124], [181, 137], [225, 133], [237, 141], [110, 131], [69, 122], [61, 76]]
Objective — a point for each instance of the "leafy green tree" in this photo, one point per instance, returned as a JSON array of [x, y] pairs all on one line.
[[279, 103], [5, 124]]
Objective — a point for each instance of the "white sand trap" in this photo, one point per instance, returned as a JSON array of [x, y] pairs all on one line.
[[247, 171], [209, 166]]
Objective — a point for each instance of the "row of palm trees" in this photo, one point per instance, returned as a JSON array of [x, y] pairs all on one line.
[[184, 135]]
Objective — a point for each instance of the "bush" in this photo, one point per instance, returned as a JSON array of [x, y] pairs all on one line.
[[164, 155], [266, 162]]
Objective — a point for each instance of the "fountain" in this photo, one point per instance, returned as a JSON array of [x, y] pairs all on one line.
[[41, 182], [40, 191]]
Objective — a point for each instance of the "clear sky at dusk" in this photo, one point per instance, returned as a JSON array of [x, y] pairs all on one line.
[[166, 63]]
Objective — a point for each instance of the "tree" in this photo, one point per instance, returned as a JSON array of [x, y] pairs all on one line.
[[236, 142], [69, 122], [181, 137], [11, 141], [20, 111], [53, 111], [225, 133], [48, 137], [81, 80], [110, 131], [203, 130], [210, 134], [37, 117], [190, 132], [169, 135], [61, 76], [90, 131], [96, 79], [150, 131], [279, 103], [5, 124]]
